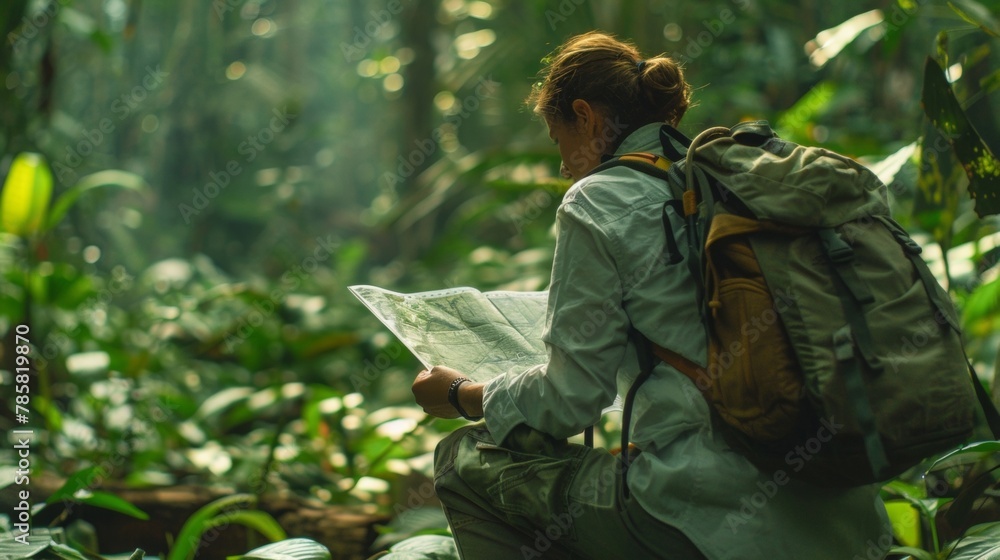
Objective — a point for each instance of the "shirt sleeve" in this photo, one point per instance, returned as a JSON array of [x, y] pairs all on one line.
[[586, 335]]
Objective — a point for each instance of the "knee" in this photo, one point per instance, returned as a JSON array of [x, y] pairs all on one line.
[[447, 449], [446, 454]]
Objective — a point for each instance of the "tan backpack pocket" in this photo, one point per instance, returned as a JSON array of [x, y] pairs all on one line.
[[757, 392]]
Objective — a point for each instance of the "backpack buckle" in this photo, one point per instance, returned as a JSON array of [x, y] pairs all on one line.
[[837, 249], [899, 234]]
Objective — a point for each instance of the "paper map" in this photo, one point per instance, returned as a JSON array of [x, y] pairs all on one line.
[[481, 334]]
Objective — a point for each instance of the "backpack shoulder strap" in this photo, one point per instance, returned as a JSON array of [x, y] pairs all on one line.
[[644, 162]]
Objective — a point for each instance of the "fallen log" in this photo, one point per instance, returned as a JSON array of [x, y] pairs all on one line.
[[347, 531]]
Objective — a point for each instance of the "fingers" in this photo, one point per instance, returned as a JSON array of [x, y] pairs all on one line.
[[445, 370], [430, 390]]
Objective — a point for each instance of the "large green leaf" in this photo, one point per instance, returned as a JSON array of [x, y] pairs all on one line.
[[981, 542], [41, 545], [991, 82], [918, 498], [109, 177], [914, 553], [63, 552], [221, 512], [113, 503], [905, 519], [25, 196], [972, 491], [260, 521], [425, 547], [78, 488], [982, 303], [945, 112], [409, 523], [82, 479], [978, 448], [830, 42], [291, 549], [976, 14], [793, 123], [37, 542], [138, 554]]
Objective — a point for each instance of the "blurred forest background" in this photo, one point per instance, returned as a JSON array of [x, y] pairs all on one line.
[[209, 176]]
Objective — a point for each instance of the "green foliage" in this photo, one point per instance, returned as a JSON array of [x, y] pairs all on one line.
[[981, 542], [25, 195], [47, 544], [24, 200], [108, 177], [430, 547], [412, 522], [41, 544], [291, 549], [223, 513], [981, 166], [79, 488], [950, 486], [219, 345]]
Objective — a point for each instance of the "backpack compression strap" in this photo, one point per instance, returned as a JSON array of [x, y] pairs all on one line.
[[912, 251]]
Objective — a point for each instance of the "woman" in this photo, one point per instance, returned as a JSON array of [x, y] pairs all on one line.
[[513, 487]]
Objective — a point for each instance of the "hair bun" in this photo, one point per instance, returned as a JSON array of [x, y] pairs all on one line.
[[613, 76], [664, 89]]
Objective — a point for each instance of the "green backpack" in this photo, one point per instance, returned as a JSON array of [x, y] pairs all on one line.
[[833, 353]]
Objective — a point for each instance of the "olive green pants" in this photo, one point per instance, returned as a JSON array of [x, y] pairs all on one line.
[[538, 497]]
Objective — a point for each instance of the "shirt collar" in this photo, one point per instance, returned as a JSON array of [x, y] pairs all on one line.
[[646, 138]]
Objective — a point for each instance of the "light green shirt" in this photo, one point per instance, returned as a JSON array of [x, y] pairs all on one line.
[[608, 271]]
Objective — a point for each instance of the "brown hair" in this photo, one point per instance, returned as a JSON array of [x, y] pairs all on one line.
[[611, 75]]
